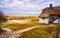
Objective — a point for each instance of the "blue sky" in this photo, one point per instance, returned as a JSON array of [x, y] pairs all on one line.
[[25, 7]]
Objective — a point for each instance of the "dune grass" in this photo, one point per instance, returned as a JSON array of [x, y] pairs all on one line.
[[44, 31]]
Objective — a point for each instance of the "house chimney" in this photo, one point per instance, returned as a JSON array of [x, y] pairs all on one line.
[[50, 8]]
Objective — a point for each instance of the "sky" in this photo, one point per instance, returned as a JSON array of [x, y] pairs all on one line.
[[25, 7]]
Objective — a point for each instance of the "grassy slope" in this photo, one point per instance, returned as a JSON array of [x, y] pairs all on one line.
[[45, 31], [42, 32]]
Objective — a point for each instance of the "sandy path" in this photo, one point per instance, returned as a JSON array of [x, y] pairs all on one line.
[[17, 21], [15, 34]]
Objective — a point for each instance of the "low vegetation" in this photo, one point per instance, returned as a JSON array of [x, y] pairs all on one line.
[[21, 17], [44, 31]]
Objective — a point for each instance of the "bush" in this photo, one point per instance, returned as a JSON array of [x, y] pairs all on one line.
[[2, 17]]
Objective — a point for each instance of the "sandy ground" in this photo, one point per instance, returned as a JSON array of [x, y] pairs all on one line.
[[18, 21]]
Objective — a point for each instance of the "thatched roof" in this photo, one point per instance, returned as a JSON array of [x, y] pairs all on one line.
[[56, 10], [46, 12]]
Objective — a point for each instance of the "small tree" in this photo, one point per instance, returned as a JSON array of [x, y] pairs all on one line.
[[2, 17]]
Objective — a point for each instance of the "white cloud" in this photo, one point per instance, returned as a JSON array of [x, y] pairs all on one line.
[[26, 4], [18, 4], [32, 5]]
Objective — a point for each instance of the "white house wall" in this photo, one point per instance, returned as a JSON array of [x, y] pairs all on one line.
[[46, 20], [56, 21]]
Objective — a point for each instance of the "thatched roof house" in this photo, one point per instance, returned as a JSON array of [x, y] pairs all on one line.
[[46, 12], [50, 15]]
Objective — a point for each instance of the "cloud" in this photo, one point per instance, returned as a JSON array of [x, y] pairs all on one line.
[[33, 6], [26, 4], [18, 4]]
